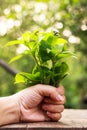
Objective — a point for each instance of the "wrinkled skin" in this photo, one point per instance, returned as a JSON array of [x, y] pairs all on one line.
[[41, 103]]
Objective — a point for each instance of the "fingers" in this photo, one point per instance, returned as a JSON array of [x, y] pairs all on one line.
[[48, 91], [53, 108], [50, 101], [53, 111], [54, 116], [53, 100]]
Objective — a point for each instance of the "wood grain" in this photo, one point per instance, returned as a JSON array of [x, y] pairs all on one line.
[[71, 120]]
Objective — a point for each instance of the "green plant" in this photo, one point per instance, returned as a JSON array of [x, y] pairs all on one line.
[[50, 52]]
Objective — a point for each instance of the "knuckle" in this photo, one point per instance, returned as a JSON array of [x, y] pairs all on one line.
[[59, 116], [63, 102], [62, 108], [55, 116]]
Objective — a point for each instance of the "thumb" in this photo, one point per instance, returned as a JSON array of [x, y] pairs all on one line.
[[61, 90], [49, 91]]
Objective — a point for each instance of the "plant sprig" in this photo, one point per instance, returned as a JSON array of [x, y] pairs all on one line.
[[50, 53]]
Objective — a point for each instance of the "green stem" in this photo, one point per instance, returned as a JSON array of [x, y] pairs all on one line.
[[53, 63], [36, 60]]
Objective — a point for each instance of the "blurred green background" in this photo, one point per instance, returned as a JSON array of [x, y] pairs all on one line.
[[69, 17]]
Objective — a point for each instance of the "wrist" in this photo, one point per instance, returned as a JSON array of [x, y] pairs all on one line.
[[9, 111], [16, 108]]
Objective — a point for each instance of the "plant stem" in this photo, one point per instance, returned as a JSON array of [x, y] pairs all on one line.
[[53, 63]]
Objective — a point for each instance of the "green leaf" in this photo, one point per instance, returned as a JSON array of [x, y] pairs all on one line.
[[28, 78], [48, 36], [16, 58], [48, 64], [14, 42], [32, 77], [44, 51], [61, 68], [59, 44], [19, 78], [60, 71], [66, 54], [57, 40], [34, 36], [26, 36]]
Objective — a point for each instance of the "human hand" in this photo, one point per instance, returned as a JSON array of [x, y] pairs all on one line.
[[41, 103]]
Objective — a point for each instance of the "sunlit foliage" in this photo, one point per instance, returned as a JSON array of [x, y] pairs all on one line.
[[69, 17]]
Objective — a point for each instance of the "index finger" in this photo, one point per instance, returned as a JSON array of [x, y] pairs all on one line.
[[50, 101]]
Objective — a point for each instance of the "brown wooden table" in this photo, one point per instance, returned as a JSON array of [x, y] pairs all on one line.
[[71, 120]]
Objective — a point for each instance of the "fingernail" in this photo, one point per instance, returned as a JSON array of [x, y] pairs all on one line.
[[48, 113], [60, 98]]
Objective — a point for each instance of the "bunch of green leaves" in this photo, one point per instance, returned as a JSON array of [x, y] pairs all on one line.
[[50, 52]]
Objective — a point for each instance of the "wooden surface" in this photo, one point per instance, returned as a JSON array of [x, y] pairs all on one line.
[[71, 120]]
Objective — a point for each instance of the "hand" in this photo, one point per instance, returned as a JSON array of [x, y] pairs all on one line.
[[41, 103]]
